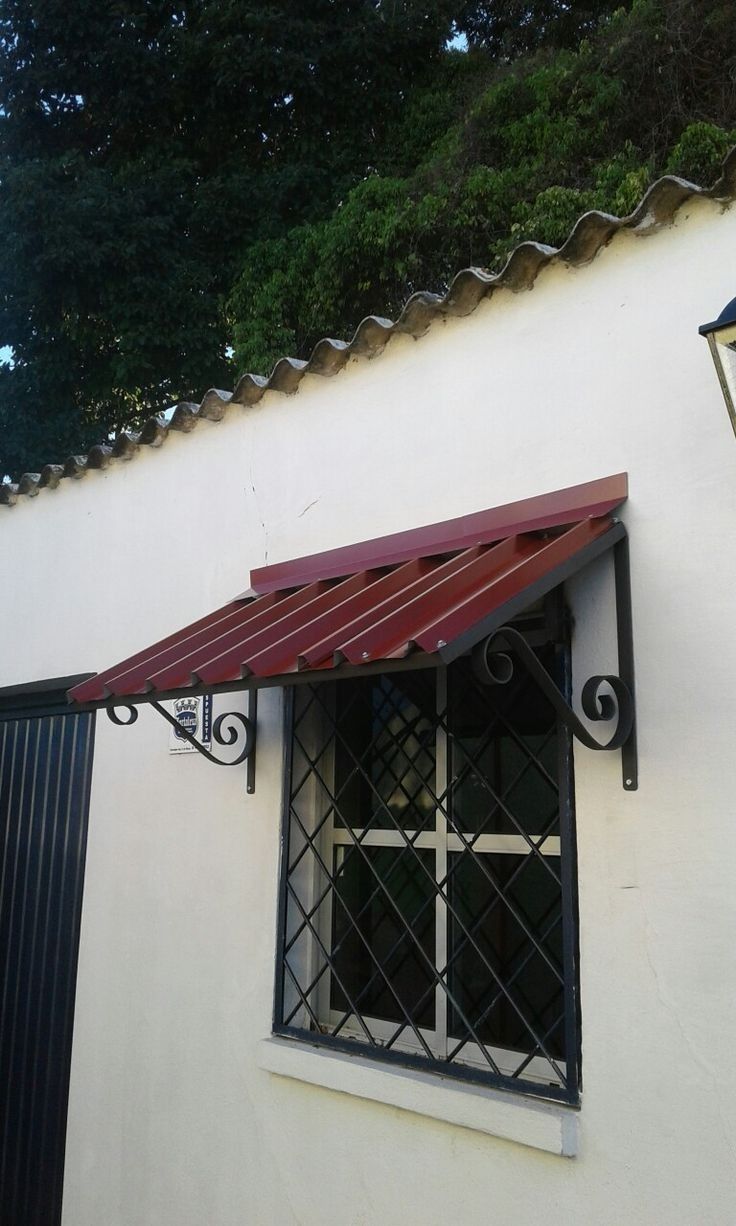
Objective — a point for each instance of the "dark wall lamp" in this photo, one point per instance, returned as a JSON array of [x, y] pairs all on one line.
[[721, 336]]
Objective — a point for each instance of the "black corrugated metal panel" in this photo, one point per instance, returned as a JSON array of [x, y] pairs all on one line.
[[45, 772]]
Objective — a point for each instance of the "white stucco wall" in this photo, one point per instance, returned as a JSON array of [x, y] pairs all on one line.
[[171, 1121]]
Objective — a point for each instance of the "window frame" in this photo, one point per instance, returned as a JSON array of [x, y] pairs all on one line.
[[552, 626]]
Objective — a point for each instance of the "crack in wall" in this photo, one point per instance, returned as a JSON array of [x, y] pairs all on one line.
[[259, 514], [309, 506]]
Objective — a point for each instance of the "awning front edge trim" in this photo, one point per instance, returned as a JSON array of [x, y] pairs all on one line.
[[420, 659]]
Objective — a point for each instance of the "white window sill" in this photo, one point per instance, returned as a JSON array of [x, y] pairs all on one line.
[[540, 1125]]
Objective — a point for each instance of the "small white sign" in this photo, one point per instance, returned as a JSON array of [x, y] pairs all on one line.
[[195, 716]]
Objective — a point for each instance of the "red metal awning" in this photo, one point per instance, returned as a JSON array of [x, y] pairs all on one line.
[[430, 591]]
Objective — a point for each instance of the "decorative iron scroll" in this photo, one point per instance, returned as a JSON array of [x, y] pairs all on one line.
[[497, 667], [226, 730]]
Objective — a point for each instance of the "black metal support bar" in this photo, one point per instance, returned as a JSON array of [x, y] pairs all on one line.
[[226, 730], [496, 667], [625, 633], [250, 776]]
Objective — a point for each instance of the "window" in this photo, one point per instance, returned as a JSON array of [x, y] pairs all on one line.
[[428, 903]]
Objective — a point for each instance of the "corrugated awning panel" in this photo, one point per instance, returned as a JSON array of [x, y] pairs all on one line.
[[431, 603]]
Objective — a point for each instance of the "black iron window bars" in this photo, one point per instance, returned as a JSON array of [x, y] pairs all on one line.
[[428, 897]]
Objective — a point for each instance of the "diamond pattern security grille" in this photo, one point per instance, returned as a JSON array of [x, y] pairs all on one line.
[[428, 905]]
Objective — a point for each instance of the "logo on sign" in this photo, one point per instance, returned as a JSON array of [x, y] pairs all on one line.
[[192, 715], [186, 711]]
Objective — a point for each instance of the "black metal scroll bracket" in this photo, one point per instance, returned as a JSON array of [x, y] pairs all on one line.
[[497, 667], [227, 729]]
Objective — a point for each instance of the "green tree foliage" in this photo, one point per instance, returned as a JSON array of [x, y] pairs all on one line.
[[179, 178], [512, 27], [535, 144], [144, 145]]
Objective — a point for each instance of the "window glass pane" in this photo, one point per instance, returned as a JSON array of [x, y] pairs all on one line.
[[385, 751], [515, 936], [503, 750], [383, 902]]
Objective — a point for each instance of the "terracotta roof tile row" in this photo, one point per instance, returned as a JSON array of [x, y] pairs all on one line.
[[469, 287]]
